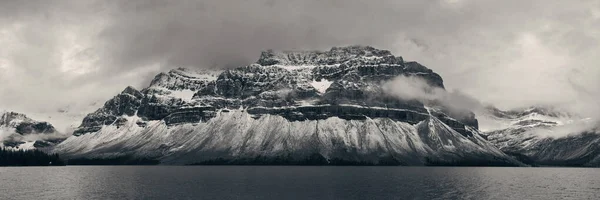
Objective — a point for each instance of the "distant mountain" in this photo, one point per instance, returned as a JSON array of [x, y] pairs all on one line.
[[17, 131], [546, 136], [290, 107]]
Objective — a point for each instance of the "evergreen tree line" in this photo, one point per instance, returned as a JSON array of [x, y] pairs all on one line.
[[36, 157]]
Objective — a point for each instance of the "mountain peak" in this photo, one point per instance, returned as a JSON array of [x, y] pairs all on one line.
[[184, 78], [360, 50], [132, 91], [192, 72], [335, 55], [129, 89], [23, 124], [8, 118], [541, 110]]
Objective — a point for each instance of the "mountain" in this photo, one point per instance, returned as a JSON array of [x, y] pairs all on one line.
[[20, 132], [290, 107], [546, 136]]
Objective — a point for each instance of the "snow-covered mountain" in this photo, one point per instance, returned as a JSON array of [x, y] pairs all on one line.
[[20, 132], [291, 107], [545, 136]]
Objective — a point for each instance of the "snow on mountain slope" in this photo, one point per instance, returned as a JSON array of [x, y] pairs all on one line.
[[546, 136], [238, 137], [492, 119], [306, 107], [321, 85]]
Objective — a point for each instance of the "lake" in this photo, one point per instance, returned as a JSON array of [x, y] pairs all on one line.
[[297, 182]]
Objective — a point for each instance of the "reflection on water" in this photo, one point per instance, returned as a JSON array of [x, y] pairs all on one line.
[[297, 182]]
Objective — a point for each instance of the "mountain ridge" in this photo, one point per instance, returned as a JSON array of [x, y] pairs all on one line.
[[547, 136]]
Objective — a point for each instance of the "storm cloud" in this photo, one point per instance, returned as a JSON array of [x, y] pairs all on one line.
[[57, 54]]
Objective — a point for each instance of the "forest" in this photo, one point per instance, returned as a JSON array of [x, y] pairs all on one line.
[[11, 157]]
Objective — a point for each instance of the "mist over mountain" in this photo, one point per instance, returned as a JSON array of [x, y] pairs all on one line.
[[19, 132]]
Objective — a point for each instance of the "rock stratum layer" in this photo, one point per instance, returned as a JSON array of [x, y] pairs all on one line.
[[301, 107]]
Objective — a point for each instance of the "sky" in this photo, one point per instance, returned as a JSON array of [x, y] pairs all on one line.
[[71, 56]]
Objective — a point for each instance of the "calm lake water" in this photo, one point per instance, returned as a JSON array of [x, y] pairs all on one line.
[[297, 182]]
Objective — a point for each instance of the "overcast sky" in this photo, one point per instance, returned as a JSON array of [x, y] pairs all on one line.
[[511, 53]]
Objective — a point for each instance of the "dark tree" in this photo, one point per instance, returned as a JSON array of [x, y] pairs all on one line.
[[9, 157]]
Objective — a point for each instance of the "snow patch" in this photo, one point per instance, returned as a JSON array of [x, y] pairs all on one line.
[[185, 95], [295, 67], [321, 85]]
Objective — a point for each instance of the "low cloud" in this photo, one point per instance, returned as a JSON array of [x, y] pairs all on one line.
[[571, 128], [9, 135], [413, 88], [417, 88]]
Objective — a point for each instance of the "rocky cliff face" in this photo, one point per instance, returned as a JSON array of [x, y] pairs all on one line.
[[19, 131], [546, 136], [287, 108]]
